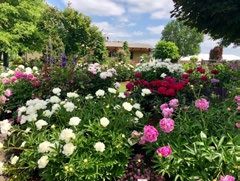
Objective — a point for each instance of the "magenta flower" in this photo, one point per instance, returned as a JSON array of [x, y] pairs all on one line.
[[8, 93], [13, 79], [150, 134], [202, 104], [167, 112], [174, 103], [164, 151], [164, 106], [227, 178], [237, 99], [167, 125]]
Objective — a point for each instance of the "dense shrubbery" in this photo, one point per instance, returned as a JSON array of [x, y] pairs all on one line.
[[187, 128]]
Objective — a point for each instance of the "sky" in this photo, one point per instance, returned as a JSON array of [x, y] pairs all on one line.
[[132, 20]]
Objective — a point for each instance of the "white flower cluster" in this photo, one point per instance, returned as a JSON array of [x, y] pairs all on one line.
[[94, 68], [108, 74], [151, 66]]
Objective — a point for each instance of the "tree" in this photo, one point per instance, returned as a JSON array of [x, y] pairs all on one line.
[[187, 39], [166, 50], [18, 26], [219, 18]]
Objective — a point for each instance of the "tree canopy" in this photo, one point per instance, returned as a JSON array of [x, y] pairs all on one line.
[[187, 39], [219, 18], [166, 50]]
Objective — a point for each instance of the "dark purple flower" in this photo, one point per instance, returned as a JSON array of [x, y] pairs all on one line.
[[63, 60]]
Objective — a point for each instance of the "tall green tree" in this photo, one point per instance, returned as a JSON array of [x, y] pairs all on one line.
[[219, 18], [18, 26], [187, 39]]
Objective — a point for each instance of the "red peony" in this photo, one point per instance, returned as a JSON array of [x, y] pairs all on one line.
[[138, 75], [185, 76], [201, 70], [204, 78], [170, 92], [130, 86], [162, 90]]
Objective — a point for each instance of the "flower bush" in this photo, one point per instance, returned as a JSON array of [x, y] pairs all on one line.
[[77, 138]]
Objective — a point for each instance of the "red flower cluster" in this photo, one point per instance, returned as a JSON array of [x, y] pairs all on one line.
[[169, 86]]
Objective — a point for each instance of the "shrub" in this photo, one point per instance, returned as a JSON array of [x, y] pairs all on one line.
[[73, 139]]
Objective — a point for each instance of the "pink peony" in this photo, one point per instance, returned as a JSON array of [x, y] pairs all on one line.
[[202, 104], [3, 99], [164, 151], [227, 178], [167, 125], [150, 134], [167, 112], [237, 99], [19, 74], [13, 79], [174, 103], [6, 80], [8, 93], [164, 106]]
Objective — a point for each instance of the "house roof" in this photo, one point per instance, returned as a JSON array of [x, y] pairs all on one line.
[[205, 57], [130, 45]]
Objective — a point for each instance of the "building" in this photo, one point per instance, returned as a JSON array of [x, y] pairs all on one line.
[[136, 49]]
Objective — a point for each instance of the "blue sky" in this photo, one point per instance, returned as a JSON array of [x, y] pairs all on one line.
[[132, 20]]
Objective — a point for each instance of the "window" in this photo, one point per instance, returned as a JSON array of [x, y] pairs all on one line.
[[131, 55]]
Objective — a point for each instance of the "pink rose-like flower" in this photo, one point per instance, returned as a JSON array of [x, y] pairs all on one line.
[[167, 125], [8, 93], [13, 79], [3, 99], [164, 106], [202, 104], [164, 151], [227, 178], [167, 112], [174, 103], [6, 80], [150, 134]]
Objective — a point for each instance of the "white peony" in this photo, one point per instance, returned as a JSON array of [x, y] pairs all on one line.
[[69, 106], [104, 122], [55, 107], [74, 121], [45, 147], [5, 127], [54, 99], [72, 95], [1, 167], [68, 149], [127, 106], [139, 114], [43, 161], [14, 160], [89, 96], [122, 95], [99, 146], [103, 75], [146, 92], [100, 93], [66, 135], [47, 113], [40, 123], [111, 90], [137, 106], [57, 91]]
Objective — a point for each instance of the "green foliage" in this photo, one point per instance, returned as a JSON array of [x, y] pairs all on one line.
[[166, 50], [126, 49], [186, 39], [223, 23]]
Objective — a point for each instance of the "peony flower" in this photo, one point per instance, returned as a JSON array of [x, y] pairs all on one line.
[[1, 167], [100, 93], [5, 127], [164, 151], [202, 104], [111, 90], [129, 86], [54, 99], [164, 106], [89, 96], [3, 100], [68, 149], [74, 121], [104, 122], [14, 160], [127, 106], [167, 125], [72, 95], [139, 114], [69, 106], [45, 147], [167, 112], [150, 134], [57, 91], [227, 178], [99, 146], [146, 92], [174, 103], [47, 113], [8, 93], [137, 106], [66, 135], [42, 162], [40, 123], [122, 95]]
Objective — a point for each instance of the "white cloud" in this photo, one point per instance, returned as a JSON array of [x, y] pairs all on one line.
[[137, 33], [159, 9], [97, 7], [111, 31], [156, 29]]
